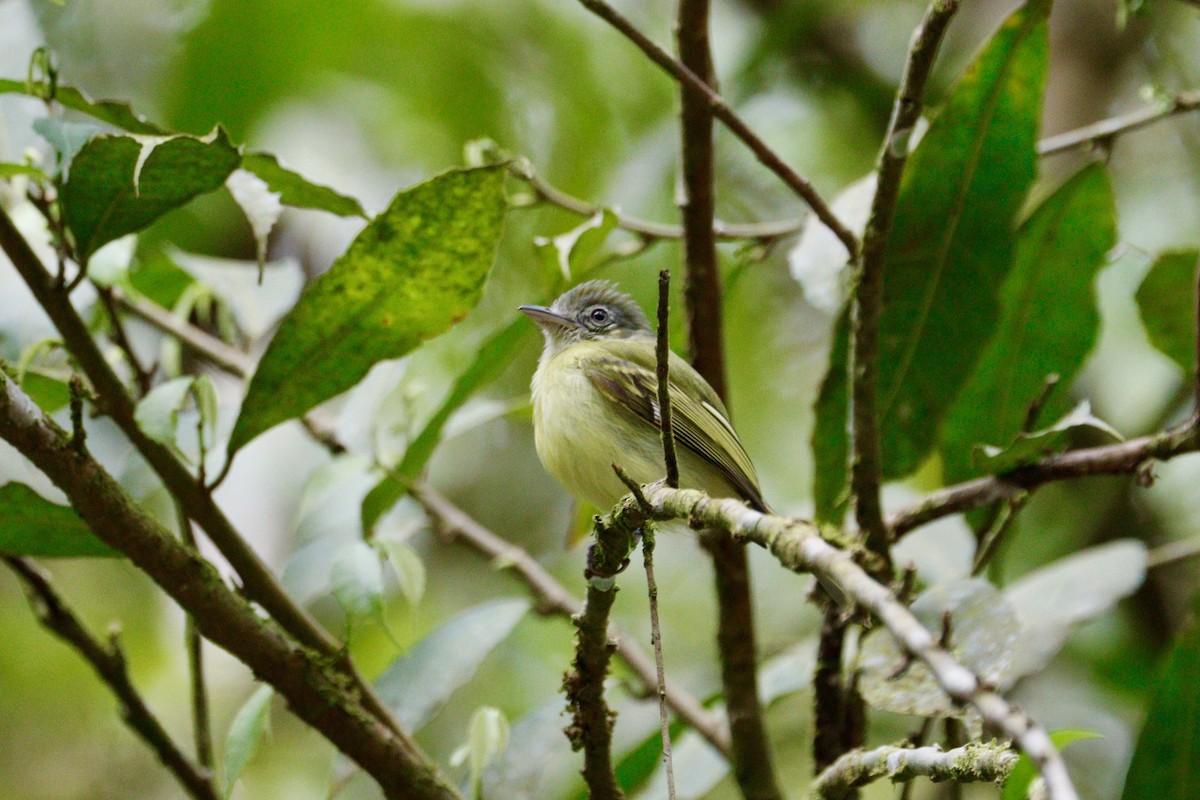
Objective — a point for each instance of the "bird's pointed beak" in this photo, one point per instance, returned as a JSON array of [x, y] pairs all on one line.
[[550, 320]]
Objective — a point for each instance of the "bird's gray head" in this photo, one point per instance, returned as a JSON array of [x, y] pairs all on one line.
[[595, 310]]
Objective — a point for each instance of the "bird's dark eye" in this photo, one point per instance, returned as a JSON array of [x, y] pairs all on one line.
[[599, 315]]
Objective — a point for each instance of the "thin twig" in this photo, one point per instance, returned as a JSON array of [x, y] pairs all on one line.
[[650, 229], [194, 339], [1173, 553], [781, 228], [553, 598], [109, 664], [973, 762], [1034, 411], [989, 543], [866, 461], [799, 547], [201, 721], [1106, 130], [663, 370], [1122, 458], [663, 356], [656, 644], [141, 375], [722, 111], [829, 713]]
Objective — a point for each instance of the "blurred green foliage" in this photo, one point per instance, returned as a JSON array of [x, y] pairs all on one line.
[[375, 96]]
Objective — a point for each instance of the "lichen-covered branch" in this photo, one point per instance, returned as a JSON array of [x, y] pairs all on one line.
[[798, 546], [109, 664], [314, 686], [591, 719], [972, 763]]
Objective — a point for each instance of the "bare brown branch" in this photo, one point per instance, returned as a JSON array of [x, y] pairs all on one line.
[[722, 111], [109, 664], [866, 459], [1123, 458]]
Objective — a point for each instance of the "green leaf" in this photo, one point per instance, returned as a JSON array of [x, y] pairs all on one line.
[[157, 414], [207, 404], [409, 569], [414, 271], [949, 251], [245, 732], [983, 631], [117, 114], [297, 191], [487, 739], [11, 170], [417, 685], [1167, 305], [357, 578], [1048, 321], [1166, 759], [1024, 771], [30, 525], [1029, 447], [121, 184], [49, 391], [1051, 602], [493, 356]]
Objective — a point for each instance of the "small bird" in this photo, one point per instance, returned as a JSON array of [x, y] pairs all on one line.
[[595, 403]]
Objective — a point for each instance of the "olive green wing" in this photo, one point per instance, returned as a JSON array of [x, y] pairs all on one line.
[[626, 375]]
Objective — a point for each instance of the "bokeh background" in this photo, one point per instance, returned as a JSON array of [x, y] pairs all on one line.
[[373, 95]]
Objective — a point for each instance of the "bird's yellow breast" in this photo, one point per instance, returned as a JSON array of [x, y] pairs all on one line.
[[580, 433]]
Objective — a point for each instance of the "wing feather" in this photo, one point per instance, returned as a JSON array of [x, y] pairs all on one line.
[[700, 423]]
